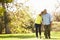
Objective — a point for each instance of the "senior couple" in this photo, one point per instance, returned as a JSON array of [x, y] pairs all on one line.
[[44, 19]]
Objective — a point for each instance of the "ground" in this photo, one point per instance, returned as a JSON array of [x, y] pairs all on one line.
[[30, 36]]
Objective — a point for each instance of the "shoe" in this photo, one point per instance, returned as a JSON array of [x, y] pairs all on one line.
[[40, 37], [49, 37], [46, 37], [36, 38]]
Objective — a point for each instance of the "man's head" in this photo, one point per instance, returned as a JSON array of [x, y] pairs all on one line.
[[45, 11]]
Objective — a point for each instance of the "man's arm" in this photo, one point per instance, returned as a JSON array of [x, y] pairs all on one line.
[[50, 20], [51, 23]]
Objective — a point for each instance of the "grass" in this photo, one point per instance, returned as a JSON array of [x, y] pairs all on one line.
[[17, 35], [54, 36]]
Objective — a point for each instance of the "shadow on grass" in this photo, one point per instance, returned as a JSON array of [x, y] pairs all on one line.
[[26, 37], [23, 37], [18, 36]]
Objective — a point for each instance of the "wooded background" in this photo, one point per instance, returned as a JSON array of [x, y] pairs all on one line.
[[21, 20]]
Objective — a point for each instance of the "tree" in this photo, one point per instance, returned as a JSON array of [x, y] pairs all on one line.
[[21, 21], [3, 2], [57, 14]]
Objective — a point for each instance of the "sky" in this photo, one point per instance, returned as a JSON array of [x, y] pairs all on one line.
[[36, 6], [39, 5]]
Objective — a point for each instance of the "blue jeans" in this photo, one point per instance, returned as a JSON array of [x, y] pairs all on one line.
[[38, 29]]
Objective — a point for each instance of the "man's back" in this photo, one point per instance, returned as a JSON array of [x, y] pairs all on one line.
[[46, 19]]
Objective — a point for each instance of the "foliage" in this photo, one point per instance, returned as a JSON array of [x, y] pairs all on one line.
[[6, 1], [1, 11], [18, 22], [4, 16], [21, 22], [55, 26], [1, 19], [56, 16]]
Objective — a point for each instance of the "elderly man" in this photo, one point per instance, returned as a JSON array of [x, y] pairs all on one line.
[[47, 23]]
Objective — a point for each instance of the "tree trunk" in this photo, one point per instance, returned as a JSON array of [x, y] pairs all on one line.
[[5, 20]]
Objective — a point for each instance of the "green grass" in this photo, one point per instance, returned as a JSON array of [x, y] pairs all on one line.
[[17, 35], [54, 36]]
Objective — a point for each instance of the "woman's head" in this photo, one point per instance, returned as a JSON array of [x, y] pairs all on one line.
[[41, 13]]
